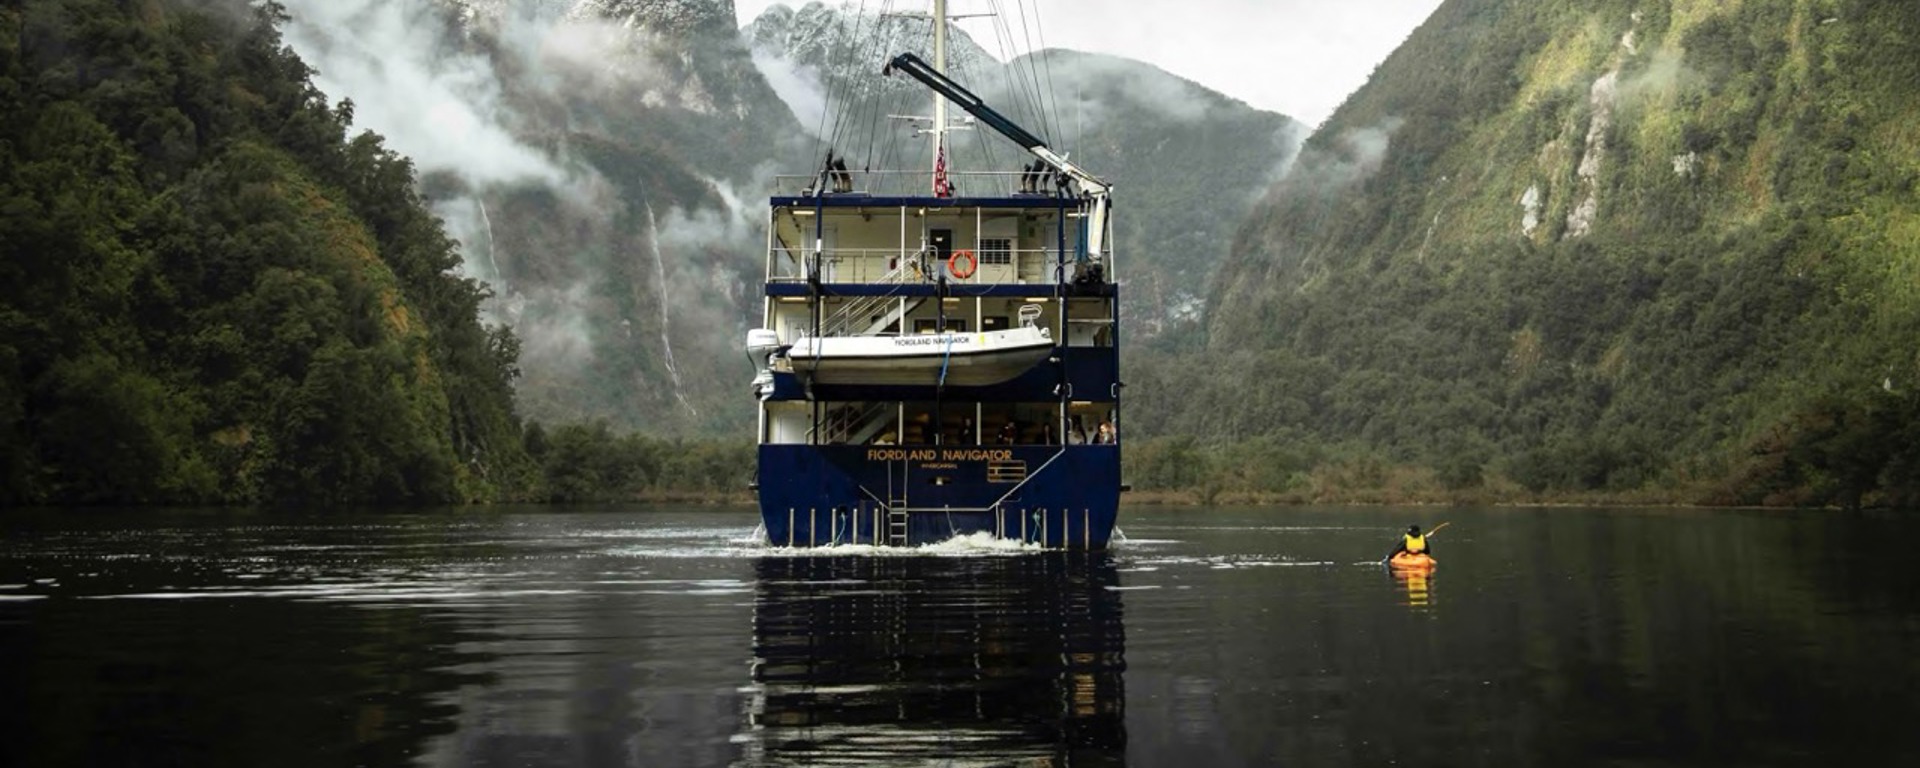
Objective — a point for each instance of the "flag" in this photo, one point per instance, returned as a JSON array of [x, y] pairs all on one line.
[[940, 188]]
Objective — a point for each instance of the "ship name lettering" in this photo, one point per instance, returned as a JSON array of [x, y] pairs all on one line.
[[921, 341], [945, 455], [977, 454]]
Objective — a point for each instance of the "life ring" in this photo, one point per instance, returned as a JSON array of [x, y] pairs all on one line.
[[953, 264]]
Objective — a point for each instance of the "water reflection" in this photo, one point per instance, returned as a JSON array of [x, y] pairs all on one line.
[[898, 661], [1418, 586]]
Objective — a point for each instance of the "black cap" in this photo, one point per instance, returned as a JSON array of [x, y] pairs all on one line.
[[1413, 529]]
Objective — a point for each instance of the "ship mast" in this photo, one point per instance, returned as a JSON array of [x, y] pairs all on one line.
[[939, 101]]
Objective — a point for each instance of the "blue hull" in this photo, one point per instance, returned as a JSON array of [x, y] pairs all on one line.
[[1055, 496]]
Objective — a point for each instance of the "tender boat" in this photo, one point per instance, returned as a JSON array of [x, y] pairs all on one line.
[[952, 359]]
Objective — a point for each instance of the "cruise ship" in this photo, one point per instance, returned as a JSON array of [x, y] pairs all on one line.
[[939, 355]]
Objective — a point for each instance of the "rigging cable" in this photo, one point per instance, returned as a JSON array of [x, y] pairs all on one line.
[[1046, 63]]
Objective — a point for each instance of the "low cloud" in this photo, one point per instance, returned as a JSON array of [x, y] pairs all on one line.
[[1170, 95], [1286, 150], [1353, 156], [796, 85], [553, 325], [434, 103], [1663, 74]]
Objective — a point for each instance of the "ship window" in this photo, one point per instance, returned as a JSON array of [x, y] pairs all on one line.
[[993, 323], [925, 325], [996, 250]]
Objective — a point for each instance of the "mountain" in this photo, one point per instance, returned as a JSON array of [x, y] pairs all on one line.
[[1657, 246], [600, 162], [843, 47], [1187, 161]]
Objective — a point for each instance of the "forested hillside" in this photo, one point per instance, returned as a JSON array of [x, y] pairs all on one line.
[[209, 293], [1555, 246]]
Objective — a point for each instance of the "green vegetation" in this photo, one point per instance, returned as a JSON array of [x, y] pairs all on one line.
[[1715, 298], [588, 462], [209, 294]]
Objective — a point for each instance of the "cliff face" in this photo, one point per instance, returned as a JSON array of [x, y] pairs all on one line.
[[844, 45], [1602, 245], [680, 18], [600, 162]]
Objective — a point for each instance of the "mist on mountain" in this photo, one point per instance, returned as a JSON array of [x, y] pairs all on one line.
[[594, 161]]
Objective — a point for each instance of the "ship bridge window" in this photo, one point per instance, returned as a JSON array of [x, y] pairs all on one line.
[[996, 250]]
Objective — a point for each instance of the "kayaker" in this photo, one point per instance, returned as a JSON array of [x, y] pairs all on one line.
[[1413, 543]]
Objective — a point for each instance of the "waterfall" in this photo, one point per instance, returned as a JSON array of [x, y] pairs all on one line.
[[493, 263], [666, 338]]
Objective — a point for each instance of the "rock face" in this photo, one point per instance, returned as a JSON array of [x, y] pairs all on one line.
[[621, 243], [1710, 196], [677, 18], [840, 44]]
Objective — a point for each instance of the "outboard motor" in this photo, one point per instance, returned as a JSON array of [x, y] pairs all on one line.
[[762, 345]]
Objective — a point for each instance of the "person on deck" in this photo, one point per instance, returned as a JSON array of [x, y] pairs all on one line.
[[1412, 543], [842, 179], [1032, 177]]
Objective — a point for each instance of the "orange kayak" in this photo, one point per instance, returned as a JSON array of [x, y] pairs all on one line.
[[1403, 561]]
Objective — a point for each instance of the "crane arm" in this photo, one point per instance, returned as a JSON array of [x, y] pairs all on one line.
[[918, 69], [1096, 189]]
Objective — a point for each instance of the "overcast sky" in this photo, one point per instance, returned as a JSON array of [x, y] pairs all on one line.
[[1297, 57]]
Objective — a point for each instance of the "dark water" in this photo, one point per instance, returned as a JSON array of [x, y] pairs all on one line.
[[1210, 638]]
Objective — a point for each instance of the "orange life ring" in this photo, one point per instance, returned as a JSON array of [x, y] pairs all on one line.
[[953, 264]]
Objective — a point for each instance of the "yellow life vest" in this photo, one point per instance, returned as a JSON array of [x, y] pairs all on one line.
[[1416, 543]]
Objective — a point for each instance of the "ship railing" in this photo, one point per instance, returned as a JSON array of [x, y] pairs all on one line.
[[854, 423], [847, 265], [917, 183], [857, 317], [1033, 266]]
